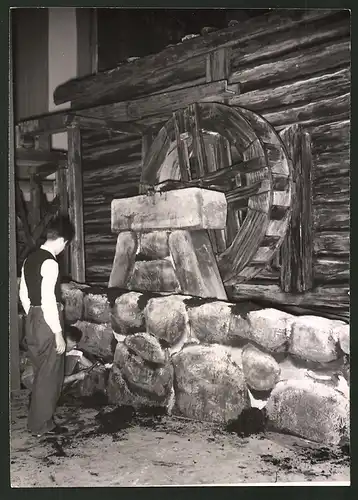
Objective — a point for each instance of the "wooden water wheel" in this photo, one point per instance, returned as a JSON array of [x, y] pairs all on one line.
[[235, 151]]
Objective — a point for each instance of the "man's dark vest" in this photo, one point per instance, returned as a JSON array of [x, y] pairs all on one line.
[[33, 278]]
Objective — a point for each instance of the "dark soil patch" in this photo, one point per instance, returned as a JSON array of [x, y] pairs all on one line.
[[251, 421]]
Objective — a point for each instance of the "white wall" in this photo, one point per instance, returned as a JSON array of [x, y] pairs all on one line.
[[62, 53]]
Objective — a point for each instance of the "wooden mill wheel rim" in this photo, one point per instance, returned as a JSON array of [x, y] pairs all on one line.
[[260, 176]]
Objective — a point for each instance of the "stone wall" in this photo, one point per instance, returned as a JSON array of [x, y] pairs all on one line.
[[209, 359]]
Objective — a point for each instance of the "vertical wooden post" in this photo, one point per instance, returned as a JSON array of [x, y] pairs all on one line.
[[35, 194], [61, 191], [296, 250], [14, 368], [75, 201]]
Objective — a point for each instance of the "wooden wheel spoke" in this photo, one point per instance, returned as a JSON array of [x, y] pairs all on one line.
[[199, 153], [183, 155], [240, 195]]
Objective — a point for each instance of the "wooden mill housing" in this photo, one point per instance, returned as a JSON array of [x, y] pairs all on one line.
[[288, 70]]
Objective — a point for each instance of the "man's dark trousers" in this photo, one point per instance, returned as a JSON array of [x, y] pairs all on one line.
[[48, 371]]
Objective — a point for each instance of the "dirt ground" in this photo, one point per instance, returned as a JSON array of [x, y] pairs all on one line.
[[118, 447]]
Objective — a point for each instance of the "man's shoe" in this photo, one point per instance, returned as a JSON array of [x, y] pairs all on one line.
[[55, 431]]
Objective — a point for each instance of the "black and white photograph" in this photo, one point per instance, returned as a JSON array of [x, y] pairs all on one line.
[[179, 275]]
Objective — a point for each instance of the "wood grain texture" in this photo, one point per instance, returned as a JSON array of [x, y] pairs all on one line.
[[332, 243], [330, 217], [296, 251], [327, 269], [174, 63]]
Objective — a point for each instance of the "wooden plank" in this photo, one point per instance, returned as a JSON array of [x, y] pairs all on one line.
[[332, 296], [195, 264], [88, 122], [308, 114], [159, 70], [317, 58], [331, 84], [295, 39], [195, 129], [22, 213], [331, 243], [183, 154], [296, 250], [75, 202], [218, 65], [62, 193], [331, 216], [327, 269]]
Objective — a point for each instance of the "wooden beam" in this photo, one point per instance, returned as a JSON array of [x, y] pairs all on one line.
[[85, 121], [159, 71], [35, 198], [61, 190], [75, 200], [24, 171], [297, 248], [36, 156]]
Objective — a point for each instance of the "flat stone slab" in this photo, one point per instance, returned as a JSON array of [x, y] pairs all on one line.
[[191, 208]]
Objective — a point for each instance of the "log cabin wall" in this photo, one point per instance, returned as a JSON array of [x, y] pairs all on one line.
[[292, 68]]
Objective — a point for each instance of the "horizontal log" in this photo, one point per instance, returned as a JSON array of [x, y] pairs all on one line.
[[332, 190], [190, 208], [327, 269], [111, 155], [330, 242], [305, 90], [336, 108], [319, 58], [160, 70], [331, 164], [329, 217], [335, 297], [296, 38], [330, 137]]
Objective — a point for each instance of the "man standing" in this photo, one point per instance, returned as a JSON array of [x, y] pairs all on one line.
[[40, 295]]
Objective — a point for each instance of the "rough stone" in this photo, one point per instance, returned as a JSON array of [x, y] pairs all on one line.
[[166, 318], [154, 276], [141, 377], [154, 245], [208, 385], [309, 409], [290, 370], [97, 308], [126, 248], [342, 333], [97, 339], [210, 322], [72, 297], [312, 338], [127, 317], [260, 369], [94, 383], [190, 208], [269, 328], [147, 347]]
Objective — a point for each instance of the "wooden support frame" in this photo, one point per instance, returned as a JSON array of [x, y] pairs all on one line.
[[61, 183], [75, 201], [297, 248]]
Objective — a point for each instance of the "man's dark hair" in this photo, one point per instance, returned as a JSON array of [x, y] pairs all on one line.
[[73, 333], [60, 226]]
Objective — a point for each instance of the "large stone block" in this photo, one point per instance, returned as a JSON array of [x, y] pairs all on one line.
[[96, 308], [154, 276], [313, 339], [210, 322], [147, 347], [208, 384], [342, 333], [196, 265], [309, 409], [141, 377], [167, 319], [126, 248], [269, 328], [154, 245], [191, 208], [72, 297], [127, 316], [97, 340], [261, 370]]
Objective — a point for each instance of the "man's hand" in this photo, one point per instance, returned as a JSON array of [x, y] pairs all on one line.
[[60, 343], [81, 375]]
